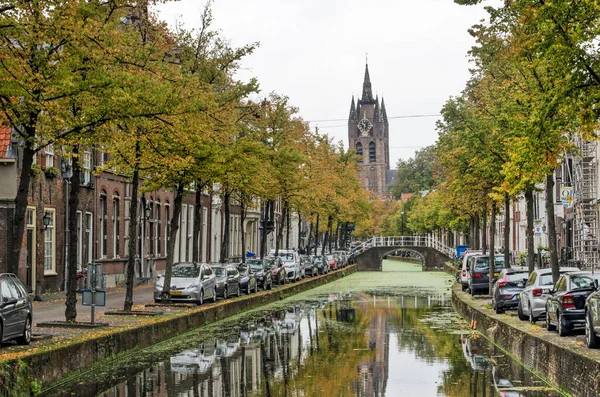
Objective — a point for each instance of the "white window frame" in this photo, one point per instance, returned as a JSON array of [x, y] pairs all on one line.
[[50, 244], [87, 167], [89, 230], [79, 240], [116, 213], [49, 151]]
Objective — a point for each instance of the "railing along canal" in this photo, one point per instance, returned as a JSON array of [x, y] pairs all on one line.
[[406, 241]]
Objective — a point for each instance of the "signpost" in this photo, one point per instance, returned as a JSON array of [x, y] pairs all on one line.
[[94, 294]]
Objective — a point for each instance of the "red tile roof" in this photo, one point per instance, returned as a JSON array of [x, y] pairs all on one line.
[[4, 141]]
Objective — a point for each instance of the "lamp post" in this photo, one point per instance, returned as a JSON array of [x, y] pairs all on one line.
[[46, 219]]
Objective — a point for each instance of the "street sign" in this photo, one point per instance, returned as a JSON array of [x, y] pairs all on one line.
[[566, 196], [93, 298]]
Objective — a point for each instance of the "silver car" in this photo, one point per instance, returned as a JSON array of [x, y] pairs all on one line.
[[190, 282], [532, 300]]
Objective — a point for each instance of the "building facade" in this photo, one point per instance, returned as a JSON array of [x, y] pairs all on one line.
[[368, 134]]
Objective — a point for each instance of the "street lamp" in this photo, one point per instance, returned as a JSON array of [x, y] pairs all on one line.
[[46, 219]]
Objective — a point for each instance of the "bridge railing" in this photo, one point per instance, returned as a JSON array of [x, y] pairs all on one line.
[[405, 241]]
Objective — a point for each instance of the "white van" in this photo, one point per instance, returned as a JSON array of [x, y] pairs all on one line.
[[465, 267]]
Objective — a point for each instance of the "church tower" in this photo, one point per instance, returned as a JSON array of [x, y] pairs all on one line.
[[368, 134]]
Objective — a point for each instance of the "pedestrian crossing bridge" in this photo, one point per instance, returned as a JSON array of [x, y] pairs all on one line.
[[369, 255]]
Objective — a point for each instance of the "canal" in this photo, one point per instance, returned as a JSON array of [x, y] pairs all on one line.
[[390, 333]]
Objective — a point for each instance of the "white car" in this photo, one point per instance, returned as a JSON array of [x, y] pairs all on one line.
[[464, 281], [532, 300]]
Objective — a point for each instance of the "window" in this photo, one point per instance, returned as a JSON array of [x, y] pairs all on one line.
[[372, 152], [158, 228], [49, 156], [89, 243], [87, 168], [167, 225], [30, 217], [50, 243], [190, 232], [151, 231], [103, 227], [359, 149], [115, 226], [79, 240], [183, 233]]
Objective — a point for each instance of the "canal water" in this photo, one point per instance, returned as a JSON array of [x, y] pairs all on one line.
[[390, 333]]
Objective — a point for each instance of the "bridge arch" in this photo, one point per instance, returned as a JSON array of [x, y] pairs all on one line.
[[371, 252], [418, 258]]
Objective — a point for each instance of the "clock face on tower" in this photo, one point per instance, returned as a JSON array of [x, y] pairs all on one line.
[[364, 126]]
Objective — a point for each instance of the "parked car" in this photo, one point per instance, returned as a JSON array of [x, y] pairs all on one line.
[[565, 307], [332, 261], [278, 273], [592, 320], [532, 300], [228, 280], [310, 267], [292, 265], [321, 263], [465, 267], [190, 282], [262, 270], [247, 278], [479, 273], [506, 289], [342, 258], [16, 310]]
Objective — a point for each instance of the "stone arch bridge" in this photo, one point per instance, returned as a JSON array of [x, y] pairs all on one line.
[[368, 255]]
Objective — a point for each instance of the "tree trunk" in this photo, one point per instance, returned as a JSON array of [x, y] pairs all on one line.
[[133, 225], [242, 231], [551, 225], [484, 243], [325, 241], [476, 239], [337, 235], [507, 231], [21, 205], [166, 292], [492, 247], [329, 231], [317, 235], [71, 301], [226, 227], [279, 239], [310, 230], [197, 223], [287, 228], [529, 230], [263, 233], [299, 231]]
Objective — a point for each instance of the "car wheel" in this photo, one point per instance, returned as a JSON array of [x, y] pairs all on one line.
[[520, 312], [256, 288], [214, 298], [248, 289], [549, 325], [201, 297], [562, 329], [156, 300], [472, 291], [225, 296], [463, 287], [532, 318], [26, 337], [270, 286], [591, 340]]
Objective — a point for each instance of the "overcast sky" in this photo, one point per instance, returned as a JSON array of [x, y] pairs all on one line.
[[313, 51]]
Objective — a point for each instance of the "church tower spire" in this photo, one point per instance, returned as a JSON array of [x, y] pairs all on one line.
[[352, 116], [383, 112], [367, 93]]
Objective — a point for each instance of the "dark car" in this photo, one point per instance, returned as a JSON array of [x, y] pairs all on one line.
[[592, 320], [506, 289], [565, 307], [247, 278], [310, 266], [262, 271], [478, 276], [16, 310], [228, 280], [278, 273], [322, 264]]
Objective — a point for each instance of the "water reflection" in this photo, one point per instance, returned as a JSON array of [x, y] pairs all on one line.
[[341, 345]]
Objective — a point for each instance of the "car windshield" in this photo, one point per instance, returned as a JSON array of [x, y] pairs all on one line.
[[546, 279], [270, 262], [186, 271], [257, 265], [243, 269], [514, 277], [219, 271], [581, 282], [329, 257], [484, 262]]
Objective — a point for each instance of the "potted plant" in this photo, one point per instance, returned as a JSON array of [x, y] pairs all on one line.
[[51, 172]]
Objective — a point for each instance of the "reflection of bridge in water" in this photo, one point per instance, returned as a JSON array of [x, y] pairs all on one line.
[[432, 252]]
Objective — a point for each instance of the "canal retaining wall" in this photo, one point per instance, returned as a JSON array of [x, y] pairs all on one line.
[[46, 367], [554, 358]]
